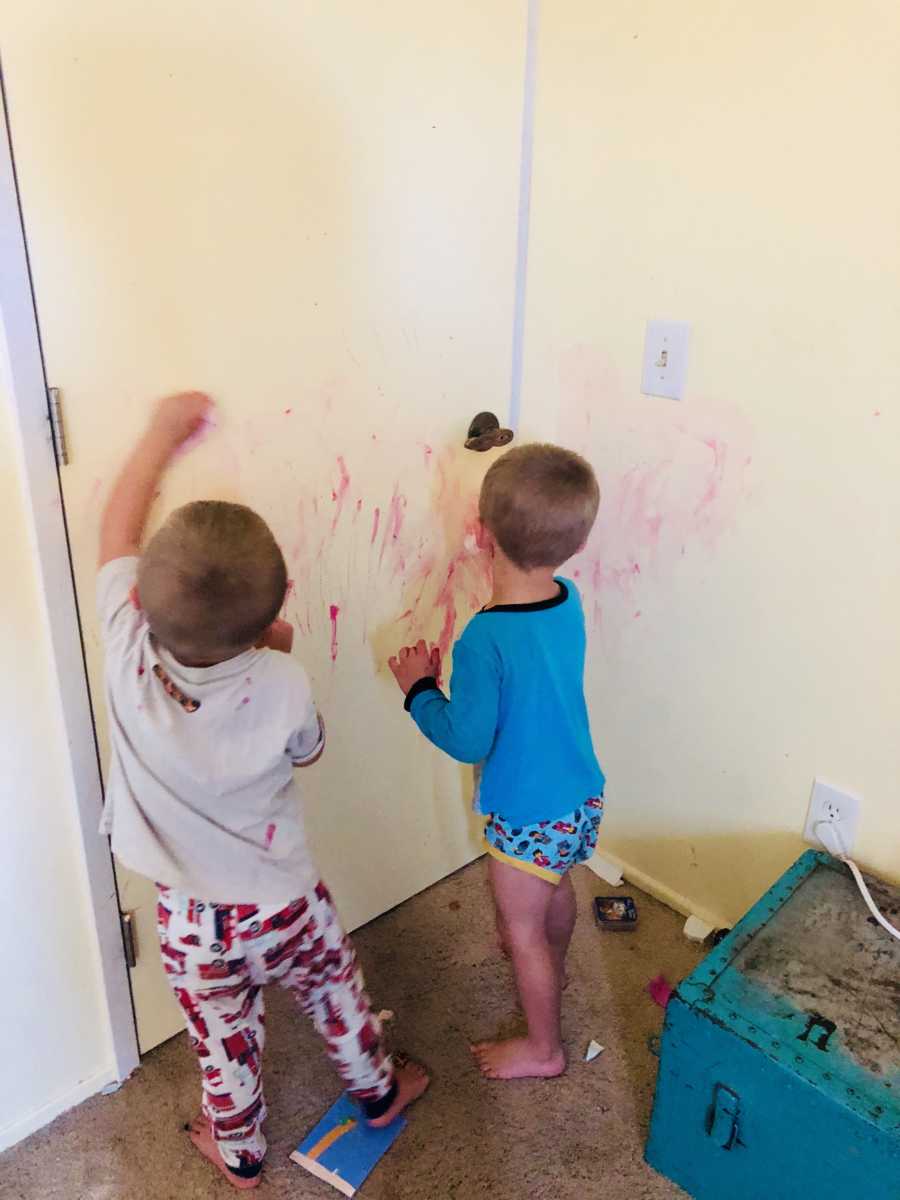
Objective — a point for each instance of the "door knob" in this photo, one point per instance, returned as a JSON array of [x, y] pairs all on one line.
[[485, 432]]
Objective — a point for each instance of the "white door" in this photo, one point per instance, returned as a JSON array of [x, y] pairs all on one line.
[[308, 210]]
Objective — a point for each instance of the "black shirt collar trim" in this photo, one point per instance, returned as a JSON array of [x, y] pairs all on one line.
[[537, 606]]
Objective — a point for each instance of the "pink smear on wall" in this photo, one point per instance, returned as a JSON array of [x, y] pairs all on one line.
[[393, 525], [446, 576], [333, 613], [339, 493], [409, 548], [673, 479]]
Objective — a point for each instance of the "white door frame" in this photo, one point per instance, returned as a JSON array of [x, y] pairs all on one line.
[[19, 326]]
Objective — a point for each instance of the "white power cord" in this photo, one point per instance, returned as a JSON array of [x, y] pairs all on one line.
[[836, 848]]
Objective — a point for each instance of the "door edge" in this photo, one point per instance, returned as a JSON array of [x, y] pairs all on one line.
[[49, 535]]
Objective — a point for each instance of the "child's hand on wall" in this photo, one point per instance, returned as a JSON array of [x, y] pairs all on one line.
[[413, 663], [180, 416]]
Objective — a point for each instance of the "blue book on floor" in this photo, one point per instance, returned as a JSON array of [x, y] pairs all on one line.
[[343, 1149]]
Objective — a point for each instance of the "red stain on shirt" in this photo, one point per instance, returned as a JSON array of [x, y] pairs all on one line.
[[270, 834]]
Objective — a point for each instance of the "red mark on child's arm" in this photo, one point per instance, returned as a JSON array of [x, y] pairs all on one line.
[[333, 613]]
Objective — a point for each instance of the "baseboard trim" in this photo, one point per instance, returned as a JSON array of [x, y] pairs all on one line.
[[658, 890], [21, 1128]]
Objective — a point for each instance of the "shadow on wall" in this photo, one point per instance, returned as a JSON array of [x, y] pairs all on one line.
[[693, 873]]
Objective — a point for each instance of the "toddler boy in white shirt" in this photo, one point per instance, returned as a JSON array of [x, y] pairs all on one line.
[[207, 722]]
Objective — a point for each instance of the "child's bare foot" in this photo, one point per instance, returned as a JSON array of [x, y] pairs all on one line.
[[201, 1135], [517, 1059], [412, 1080]]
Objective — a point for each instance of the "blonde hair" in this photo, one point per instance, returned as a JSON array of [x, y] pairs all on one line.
[[540, 502], [211, 580]]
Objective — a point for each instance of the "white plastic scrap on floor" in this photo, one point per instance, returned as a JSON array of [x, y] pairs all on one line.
[[593, 1051], [697, 930], [606, 870]]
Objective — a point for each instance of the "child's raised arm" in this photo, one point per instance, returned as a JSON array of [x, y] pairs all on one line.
[[174, 420]]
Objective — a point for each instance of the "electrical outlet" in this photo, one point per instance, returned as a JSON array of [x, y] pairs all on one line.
[[841, 809]]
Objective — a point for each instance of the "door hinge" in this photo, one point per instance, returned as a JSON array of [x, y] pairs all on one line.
[[57, 426], [128, 939]]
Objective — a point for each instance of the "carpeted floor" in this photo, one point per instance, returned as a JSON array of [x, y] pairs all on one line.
[[433, 961]]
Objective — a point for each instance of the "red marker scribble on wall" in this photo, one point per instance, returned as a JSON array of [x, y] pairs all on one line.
[[673, 480], [445, 575], [333, 613], [393, 526], [339, 493], [422, 560]]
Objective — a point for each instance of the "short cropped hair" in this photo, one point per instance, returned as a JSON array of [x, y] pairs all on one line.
[[211, 580], [540, 502]]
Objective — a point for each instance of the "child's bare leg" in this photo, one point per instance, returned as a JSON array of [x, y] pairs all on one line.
[[502, 931], [523, 903], [561, 915]]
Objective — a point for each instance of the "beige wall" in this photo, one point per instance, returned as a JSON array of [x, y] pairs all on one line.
[[54, 1028], [727, 165], [734, 166]]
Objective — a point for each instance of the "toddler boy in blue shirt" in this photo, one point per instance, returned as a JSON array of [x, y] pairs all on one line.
[[517, 706]]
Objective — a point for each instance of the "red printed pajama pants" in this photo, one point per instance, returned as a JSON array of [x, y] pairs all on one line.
[[219, 956]]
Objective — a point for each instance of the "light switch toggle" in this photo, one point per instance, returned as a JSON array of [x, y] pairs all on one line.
[[665, 359]]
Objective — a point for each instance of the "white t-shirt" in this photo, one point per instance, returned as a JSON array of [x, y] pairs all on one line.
[[201, 794]]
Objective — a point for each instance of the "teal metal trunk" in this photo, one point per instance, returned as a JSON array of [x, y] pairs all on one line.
[[779, 1069]]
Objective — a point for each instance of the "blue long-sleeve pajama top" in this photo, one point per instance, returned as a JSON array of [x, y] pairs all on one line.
[[517, 706]]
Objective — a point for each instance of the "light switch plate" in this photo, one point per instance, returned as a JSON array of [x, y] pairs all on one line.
[[665, 358]]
